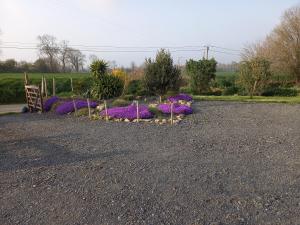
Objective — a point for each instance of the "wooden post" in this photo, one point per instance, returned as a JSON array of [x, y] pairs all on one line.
[[72, 85], [26, 79], [45, 86], [42, 87], [105, 107], [137, 112], [89, 107], [53, 86], [160, 99], [172, 104], [75, 108]]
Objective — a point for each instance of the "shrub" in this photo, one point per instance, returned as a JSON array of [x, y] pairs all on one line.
[[107, 87], [128, 97], [255, 75], [232, 90], [135, 87], [104, 85], [278, 91], [202, 72], [185, 90], [161, 75], [120, 102], [156, 112]]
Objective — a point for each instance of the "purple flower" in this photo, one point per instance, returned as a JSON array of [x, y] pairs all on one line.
[[177, 109], [68, 106], [128, 112], [49, 102], [178, 97]]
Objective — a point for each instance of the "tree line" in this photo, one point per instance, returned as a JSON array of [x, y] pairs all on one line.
[[281, 48], [54, 56]]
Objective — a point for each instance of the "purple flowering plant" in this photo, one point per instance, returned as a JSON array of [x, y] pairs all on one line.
[[184, 97], [177, 109], [128, 112], [68, 106], [49, 102]]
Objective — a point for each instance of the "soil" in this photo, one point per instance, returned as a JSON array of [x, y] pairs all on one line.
[[228, 163]]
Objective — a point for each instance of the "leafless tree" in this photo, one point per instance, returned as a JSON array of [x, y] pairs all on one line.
[[76, 58], [49, 48], [63, 54], [282, 46]]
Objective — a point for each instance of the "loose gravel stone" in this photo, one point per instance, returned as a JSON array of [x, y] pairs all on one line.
[[228, 163]]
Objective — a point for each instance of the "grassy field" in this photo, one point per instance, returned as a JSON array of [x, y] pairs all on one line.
[[262, 99], [39, 75]]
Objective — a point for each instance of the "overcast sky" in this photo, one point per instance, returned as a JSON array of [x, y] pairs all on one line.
[[229, 24]]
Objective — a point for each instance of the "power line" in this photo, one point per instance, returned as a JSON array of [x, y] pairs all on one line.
[[97, 50], [110, 46], [228, 49]]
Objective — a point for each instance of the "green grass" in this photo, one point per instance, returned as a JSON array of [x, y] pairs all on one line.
[[259, 99], [39, 75]]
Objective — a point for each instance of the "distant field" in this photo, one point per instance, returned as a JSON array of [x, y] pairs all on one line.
[[39, 75], [220, 74]]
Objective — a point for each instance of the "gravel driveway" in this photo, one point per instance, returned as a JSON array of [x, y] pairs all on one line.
[[229, 163]]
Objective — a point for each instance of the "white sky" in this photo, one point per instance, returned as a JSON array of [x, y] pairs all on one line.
[[229, 24]]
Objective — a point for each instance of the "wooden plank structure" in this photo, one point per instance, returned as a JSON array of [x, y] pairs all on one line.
[[34, 97]]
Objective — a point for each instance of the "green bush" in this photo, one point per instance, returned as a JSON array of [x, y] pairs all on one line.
[[156, 112], [161, 75], [135, 87], [128, 97], [104, 85], [231, 90], [120, 102], [202, 73], [186, 90], [278, 91], [255, 75]]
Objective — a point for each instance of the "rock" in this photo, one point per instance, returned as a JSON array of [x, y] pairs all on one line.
[[156, 120], [100, 107], [126, 120], [164, 121]]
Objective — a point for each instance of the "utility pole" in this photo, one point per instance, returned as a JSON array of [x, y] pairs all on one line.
[[207, 50]]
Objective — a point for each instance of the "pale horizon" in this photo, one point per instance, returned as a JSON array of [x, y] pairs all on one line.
[[134, 28]]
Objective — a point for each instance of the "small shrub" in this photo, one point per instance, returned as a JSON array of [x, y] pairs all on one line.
[[82, 112], [232, 90], [136, 88], [120, 102], [128, 97], [202, 73], [277, 91], [161, 75], [157, 113], [185, 90]]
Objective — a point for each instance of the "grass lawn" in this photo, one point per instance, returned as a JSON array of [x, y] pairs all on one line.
[[275, 99]]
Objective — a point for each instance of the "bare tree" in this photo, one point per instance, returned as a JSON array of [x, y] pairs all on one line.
[[282, 46], [93, 58], [76, 59], [63, 54], [49, 48]]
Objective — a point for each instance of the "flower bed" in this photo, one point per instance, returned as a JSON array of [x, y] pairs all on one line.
[[128, 112], [177, 109], [179, 97], [49, 102], [68, 107]]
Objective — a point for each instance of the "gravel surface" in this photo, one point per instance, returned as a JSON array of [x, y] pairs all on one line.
[[229, 163]]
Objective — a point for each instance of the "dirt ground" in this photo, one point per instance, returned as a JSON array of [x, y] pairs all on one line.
[[228, 163]]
